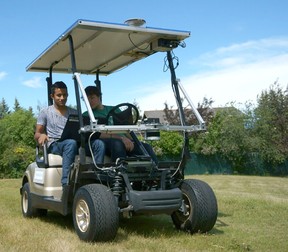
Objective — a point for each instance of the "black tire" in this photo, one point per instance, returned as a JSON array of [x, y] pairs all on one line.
[[199, 210], [26, 204], [95, 213]]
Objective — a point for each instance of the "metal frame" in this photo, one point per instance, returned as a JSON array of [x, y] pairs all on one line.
[[141, 127], [92, 30]]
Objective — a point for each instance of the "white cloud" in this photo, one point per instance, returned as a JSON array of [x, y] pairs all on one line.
[[2, 75], [35, 82], [237, 73], [239, 83]]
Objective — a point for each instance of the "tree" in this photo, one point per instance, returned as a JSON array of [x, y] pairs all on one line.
[[18, 127], [4, 109], [169, 145], [204, 109], [135, 103], [16, 105], [16, 142], [227, 136], [15, 159], [271, 126]]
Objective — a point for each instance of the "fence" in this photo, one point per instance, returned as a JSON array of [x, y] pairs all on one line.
[[253, 164], [212, 164]]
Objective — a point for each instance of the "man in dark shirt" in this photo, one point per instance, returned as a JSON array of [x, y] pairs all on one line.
[[116, 145]]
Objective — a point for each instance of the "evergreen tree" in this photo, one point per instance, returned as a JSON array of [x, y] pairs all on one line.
[[4, 109], [16, 105]]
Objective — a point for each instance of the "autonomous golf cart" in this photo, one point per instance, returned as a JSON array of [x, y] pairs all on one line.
[[99, 194]]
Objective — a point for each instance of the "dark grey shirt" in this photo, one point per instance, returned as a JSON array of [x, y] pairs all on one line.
[[54, 122]]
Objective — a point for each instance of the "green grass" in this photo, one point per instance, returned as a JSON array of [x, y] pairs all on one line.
[[253, 213]]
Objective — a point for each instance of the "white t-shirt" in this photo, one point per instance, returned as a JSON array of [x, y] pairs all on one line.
[[54, 122]]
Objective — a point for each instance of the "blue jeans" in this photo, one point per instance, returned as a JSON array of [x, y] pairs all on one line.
[[116, 149], [68, 150], [98, 149]]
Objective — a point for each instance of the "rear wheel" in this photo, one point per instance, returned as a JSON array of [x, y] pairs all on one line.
[[26, 204], [95, 213], [199, 209]]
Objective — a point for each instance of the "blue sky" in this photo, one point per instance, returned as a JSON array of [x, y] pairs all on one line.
[[236, 50]]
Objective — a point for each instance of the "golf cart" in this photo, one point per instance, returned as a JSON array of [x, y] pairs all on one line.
[[98, 195]]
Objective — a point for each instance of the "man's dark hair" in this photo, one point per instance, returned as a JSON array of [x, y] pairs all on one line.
[[92, 90], [58, 84]]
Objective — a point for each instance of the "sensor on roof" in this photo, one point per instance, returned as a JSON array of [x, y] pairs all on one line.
[[135, 22]]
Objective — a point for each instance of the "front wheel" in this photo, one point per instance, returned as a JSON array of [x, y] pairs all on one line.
[[95, 213], [199, 209], [26, 204]]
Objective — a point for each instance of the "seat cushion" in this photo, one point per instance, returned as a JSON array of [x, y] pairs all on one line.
[[56, 160]]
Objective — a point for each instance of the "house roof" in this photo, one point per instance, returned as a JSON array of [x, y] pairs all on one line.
[[155, 114]]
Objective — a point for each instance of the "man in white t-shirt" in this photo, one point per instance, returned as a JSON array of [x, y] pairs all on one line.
[[49, 127]]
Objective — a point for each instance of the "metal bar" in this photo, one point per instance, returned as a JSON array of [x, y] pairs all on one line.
[[49, 83], [139, 144], [174, 83], [195, 111], [140, 127], [185, 150], [85, 98], [98, 84], [82, 153]]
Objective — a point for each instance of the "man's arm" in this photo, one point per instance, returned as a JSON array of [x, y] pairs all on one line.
[[129, 145], [40, 135]]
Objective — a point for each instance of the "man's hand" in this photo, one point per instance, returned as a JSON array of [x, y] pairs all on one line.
[[42, 139], [129, 145]]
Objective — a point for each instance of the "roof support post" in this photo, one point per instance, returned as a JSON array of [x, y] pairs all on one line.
[[185, 151], [82, 153], [175, 88], [98, 84], [50, 82]]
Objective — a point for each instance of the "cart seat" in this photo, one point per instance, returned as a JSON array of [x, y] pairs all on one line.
[[45, 160]]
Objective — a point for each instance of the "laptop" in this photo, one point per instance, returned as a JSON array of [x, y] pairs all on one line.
[[71, 129], [72, 126]]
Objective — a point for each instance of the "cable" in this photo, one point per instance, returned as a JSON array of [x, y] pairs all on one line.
[[92, 155], [110, 168], [166, 65], [182, 44], [142, 49]]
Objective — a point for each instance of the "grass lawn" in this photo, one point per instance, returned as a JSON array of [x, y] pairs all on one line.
[[253, 213]]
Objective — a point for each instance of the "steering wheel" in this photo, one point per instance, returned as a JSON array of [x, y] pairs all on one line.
[[123, 114]]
